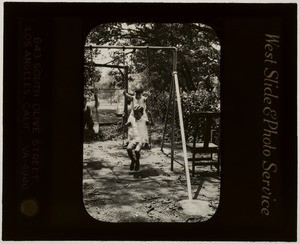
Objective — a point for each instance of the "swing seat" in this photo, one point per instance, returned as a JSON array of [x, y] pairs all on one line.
[[96, 127], [88, 121], [206, 149], [147, 146]]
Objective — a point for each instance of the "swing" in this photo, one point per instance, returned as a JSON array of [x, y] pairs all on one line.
[[147, 146]]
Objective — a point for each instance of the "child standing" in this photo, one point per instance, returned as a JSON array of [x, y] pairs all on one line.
[[137, 100], [137, 136]]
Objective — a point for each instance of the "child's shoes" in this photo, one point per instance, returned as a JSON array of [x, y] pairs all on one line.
[[137, 166], [131, 165]]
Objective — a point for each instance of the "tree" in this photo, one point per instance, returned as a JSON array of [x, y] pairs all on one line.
[[198, 62], [198, 50]]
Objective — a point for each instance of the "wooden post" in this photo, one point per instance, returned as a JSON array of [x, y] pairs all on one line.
[[173, 125], [97, 128], [126, 89], [125, 115]]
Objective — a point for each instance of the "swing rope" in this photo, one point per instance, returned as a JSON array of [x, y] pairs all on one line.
[[149, 82]]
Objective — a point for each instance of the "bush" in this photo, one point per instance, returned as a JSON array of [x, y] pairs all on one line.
[[198, 101], [192, 102], [157, 104]]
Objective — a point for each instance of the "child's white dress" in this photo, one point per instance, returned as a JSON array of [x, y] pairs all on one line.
[[139, 102], [142, 103], [137, 131]]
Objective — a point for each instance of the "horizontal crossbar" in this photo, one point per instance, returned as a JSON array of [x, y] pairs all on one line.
[[110, 66], [132, 47]]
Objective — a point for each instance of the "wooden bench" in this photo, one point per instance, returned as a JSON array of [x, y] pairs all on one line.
[[203, 140]]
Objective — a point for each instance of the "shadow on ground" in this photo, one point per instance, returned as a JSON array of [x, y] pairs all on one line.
[[113, 193]]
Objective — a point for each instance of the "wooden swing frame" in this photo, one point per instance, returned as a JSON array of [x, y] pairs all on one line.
[[124, 75], [125, 82], [174, 88]]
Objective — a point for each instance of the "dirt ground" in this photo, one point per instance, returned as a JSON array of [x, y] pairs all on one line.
[[113, 193]]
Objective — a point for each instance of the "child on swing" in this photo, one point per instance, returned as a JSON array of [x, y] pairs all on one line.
[[139, 100], [137, 135]]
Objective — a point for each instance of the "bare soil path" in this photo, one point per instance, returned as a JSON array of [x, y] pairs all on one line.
[[112, 193]]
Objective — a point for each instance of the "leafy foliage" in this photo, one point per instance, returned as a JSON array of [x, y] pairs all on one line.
[[198, 51], [198, 63]]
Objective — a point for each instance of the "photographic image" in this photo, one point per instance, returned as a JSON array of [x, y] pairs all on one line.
[[151, 150]]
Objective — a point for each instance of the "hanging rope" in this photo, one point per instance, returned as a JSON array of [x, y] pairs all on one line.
[[149, 110]]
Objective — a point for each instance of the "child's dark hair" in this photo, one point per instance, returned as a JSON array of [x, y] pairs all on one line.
[[139, 90]]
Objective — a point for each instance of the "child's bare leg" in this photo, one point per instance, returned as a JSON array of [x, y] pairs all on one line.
[[138, 154], [130, 154]]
